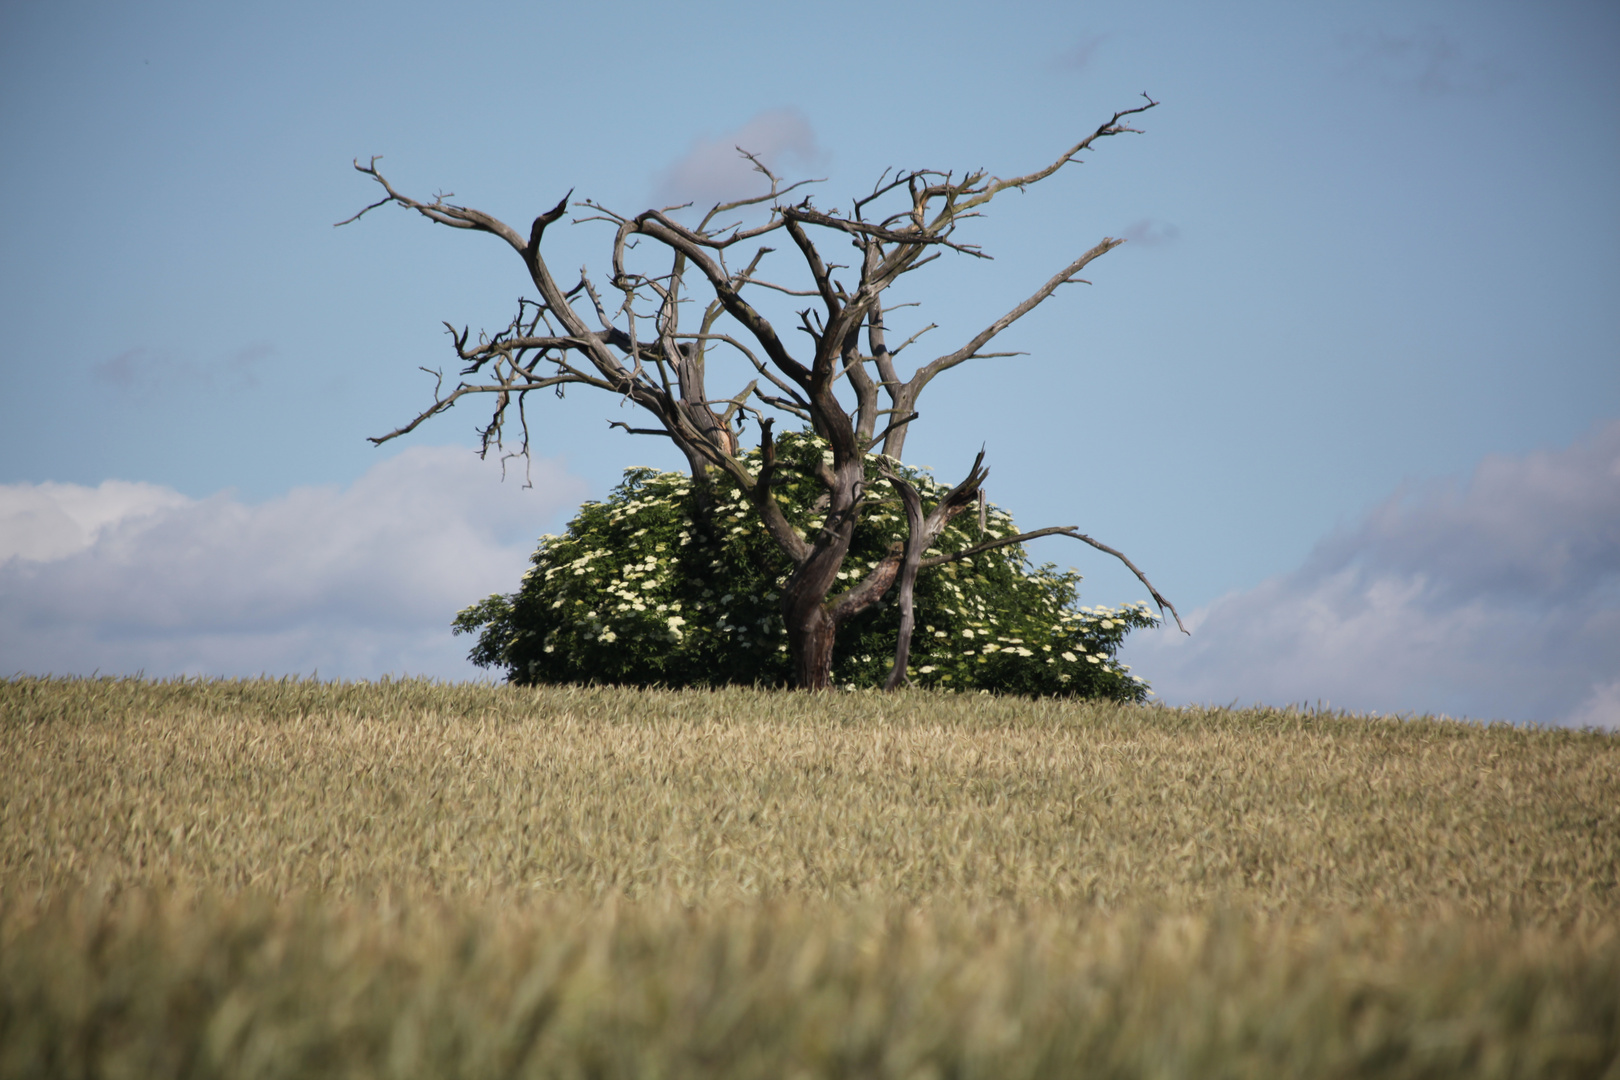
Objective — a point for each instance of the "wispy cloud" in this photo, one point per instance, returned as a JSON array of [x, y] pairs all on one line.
[[1495, 599], [1429, 61], [1151, 232], [350, 582], [713, 171], [145, 370], [1078, 57]]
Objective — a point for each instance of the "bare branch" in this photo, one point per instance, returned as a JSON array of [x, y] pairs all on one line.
[[666, 231], [776, 192], [759, 366], [638, 430], [770, 512], [880, 436], [663, 370], [457, 217], [916, 236], [1059, 530], [1110, 127], [920, 533], [385, 199], [538, 228], [741, 281], [441, 404], [1062, 277], [783, 404]]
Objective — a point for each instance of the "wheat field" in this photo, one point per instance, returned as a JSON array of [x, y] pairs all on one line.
[[402, 879]]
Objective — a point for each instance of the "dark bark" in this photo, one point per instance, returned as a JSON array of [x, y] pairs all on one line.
[[811, 636], [640, 353], [921, 532], [916, 544]]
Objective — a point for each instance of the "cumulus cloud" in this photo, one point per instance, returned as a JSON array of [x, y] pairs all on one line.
[[1494, 599], [45, 522], [713, 171], [354, 582]]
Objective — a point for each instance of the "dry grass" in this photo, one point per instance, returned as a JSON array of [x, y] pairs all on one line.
[[410, 879]]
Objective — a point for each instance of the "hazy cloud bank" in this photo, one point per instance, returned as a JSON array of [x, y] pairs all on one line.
[[355, 582], [1494, 599]]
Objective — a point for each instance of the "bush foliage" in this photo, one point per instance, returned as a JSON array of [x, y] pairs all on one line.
[[667, 584]]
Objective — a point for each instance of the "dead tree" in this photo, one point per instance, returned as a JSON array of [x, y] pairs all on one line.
[[637, 346]]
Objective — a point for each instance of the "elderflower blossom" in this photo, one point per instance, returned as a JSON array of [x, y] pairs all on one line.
[[603, 563]]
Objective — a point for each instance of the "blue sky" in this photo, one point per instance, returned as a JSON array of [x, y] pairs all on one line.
[[1372, 297]]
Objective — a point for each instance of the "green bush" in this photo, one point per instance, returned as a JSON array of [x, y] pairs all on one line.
[[665, 585]]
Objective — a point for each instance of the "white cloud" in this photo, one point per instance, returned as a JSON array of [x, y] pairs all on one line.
[[352, 582], [42, 522], [1498, 599], [713, 171], [1600, 709]]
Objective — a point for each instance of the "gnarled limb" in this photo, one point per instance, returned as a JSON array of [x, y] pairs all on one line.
[[921, 532], [640, 353], [1060, 530]]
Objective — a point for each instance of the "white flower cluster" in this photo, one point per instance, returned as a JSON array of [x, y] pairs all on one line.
[[626, 588]]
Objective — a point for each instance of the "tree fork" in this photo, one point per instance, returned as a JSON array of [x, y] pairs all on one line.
[[639, 354]]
